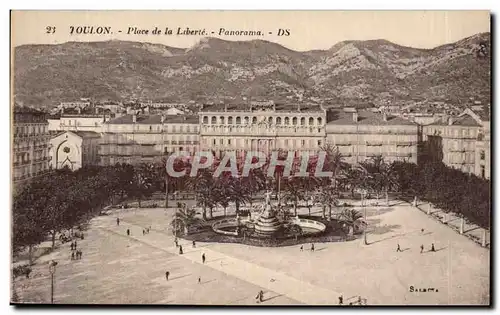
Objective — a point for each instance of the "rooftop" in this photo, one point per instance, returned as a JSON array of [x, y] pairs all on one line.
[[280, 107], [341, 117], [154, 119], [465, 120]]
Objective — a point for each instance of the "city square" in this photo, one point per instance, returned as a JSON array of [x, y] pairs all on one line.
[[117, 268]]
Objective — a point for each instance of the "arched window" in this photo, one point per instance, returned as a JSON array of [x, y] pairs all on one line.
[[230, 120], [238, 120], [254, 120], [214, 120], [294, 121], [320, 121], [278, 120], [311, 121], [303, 121], [246, 120], [221, 120], [270, 120], [205, 119], [287, 121]]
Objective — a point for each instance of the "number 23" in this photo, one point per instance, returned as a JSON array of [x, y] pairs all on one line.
[[50, 29]]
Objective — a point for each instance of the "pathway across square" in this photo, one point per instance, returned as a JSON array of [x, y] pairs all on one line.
[[117, 268]]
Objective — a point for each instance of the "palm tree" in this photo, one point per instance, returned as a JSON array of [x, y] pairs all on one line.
[[349, 217], [334, 162], [183, 219], [143, 181], [294, 192]]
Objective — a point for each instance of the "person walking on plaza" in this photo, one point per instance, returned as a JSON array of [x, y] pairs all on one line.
[[81, 254], [432, 248], [128, 232], [143, 232], [72, 255], [398, 249], [194, 244], [199, 280], [176, 242], [301, 248], [71, 246], [75, 245], [180, 250], [203, 258], [167, 274], [341, 300], [117, 221], [312, 247], [421, 248]]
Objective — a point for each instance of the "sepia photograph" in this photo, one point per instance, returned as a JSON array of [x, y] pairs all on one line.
[[250, 158]]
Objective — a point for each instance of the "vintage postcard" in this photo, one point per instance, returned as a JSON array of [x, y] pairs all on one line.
[[252, 158]]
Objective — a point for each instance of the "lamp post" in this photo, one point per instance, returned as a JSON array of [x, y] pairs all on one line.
[[364, 214], [52, 270]]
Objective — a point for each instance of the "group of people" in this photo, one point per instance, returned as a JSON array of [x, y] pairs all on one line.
[[433, 249], [75, 253], [302, 247], [359, 301]]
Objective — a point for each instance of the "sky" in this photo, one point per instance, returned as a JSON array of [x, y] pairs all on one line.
[[308, 29]]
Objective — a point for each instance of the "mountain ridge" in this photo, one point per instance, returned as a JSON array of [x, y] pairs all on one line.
[[373, 71]]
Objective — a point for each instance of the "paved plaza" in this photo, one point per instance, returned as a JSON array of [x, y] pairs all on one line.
[[117, 268]]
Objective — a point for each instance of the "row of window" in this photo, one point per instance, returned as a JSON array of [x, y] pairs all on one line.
[[270, 120], [255, 142], [156, 128], [30, 130]]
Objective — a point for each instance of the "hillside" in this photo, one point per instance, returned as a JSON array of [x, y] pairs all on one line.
[[350, 72]]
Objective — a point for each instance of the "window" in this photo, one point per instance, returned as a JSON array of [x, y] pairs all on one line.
[[287, 121], [221, 141], [278, 121], [214, 141], [311, 121], [229, 141], [254, 120], [303, 121], [270, 120], [482, 155], [483, 171], [205, 119], [303, 142], [238, 120], [230, 120], [221, 120], [319, 142], [214, 120], [294, 121], [319, 120]]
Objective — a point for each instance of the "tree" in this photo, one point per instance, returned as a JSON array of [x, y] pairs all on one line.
[[143, 181], [184, 217], [349, 217]]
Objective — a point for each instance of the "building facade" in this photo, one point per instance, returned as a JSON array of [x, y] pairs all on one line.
[[74, 149], [135, 139], [30, 148], [361, 135], [462, 142], [261, 126]]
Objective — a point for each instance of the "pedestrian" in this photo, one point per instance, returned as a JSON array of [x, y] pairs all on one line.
[[180, 250], [261, 296], [203, 257], [312, 247], [117, 221], [422, 230], [128, 232], [81, 254], [194, 244], [301, 248], [341, 300], [75, 244], [72, 255], [143, 232], [432, 248], [27, 272], [398, 249], [199, 280], [71, 246], [421, 248], [167, 274]]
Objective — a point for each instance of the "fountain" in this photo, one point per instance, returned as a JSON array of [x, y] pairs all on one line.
[[267, 224]]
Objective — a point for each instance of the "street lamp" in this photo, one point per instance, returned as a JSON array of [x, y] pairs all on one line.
[[363, 192], [52, 270]]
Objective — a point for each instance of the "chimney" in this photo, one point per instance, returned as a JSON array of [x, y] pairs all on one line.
[[134, 118], [355, 116]]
